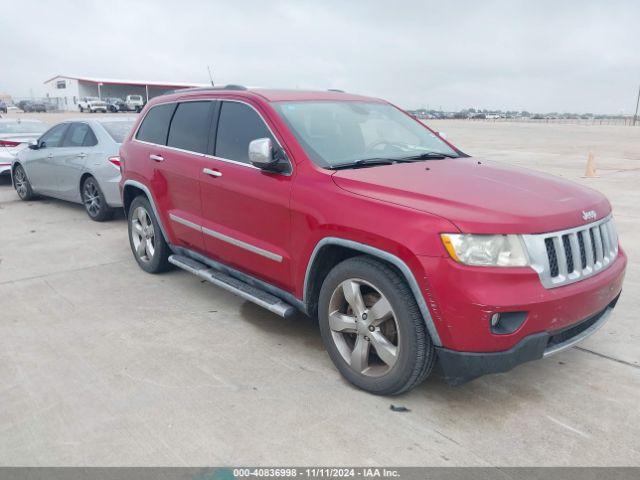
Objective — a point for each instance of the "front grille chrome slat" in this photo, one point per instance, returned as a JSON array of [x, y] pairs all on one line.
[[571, 255], [575, 250], [588, 249], [599, 250]]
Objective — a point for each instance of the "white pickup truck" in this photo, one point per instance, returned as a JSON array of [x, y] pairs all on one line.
[[134, 103], [92, 105]]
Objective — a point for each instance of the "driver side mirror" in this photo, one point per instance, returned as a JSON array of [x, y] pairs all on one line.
[[263, 156], [33, 145]]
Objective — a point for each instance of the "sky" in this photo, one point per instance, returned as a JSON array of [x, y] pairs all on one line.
[[538, 55]]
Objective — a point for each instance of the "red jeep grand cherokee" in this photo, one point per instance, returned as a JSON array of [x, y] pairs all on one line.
[[346, 208]]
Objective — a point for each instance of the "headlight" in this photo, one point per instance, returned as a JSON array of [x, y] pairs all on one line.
[[486, 250]]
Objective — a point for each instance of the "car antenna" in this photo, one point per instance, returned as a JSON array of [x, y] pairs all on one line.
[[210, 76]]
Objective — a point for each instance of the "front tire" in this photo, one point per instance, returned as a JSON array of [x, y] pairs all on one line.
[[22, 184], [81, 109], [94, 201], [145, 237], [372, 327]]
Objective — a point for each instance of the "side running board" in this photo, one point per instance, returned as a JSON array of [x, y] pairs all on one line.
[[240, 288]]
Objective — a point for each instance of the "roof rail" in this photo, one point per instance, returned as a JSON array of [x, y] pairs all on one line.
[[335, 90], [204, 89]]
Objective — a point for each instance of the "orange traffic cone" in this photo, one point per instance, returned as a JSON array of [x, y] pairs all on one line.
[[591, 168]]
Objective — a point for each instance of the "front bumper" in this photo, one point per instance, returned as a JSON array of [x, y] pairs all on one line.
[[463, 299], [460, 367]]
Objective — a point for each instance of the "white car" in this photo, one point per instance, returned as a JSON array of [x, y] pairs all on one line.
[[15, 135], [134, 103], [92, 105]]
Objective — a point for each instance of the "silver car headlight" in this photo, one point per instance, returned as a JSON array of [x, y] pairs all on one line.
[[486, 250]]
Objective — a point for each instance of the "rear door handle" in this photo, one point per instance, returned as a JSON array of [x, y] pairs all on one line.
[[156, 158], [213, 173], [81, 155]]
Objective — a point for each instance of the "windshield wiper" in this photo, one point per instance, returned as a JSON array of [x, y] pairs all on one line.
[[426, 156], [365, 162]]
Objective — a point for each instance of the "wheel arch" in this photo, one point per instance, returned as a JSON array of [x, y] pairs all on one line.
[[83, 178], [133, 189], [330, 251]]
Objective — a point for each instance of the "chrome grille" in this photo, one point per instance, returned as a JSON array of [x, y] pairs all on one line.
[[567, 256]]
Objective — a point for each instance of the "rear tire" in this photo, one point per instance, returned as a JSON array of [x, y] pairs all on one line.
[[147, 242], [22, 184], [372, 327], [81, 109], [94, 201]]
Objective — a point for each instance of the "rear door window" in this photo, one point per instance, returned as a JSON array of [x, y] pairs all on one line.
[[239, 124], [155, 126], [79, 135], [191, 126]]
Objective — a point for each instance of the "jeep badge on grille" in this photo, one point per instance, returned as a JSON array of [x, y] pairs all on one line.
[[589, 215]]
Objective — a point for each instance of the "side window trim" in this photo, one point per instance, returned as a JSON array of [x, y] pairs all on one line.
[[215, 118], [213, 131]]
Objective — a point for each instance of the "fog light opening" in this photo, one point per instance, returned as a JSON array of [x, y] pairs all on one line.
[[504, 323]]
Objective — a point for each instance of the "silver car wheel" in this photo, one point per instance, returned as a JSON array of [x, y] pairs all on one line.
[[143, 235], [20, 180], [364, 327], [91, 197]]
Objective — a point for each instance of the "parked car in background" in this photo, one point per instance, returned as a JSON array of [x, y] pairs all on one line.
[[15, 135], [92, 105], [115, 105], [134, 103], [76, 161], [346, 208], [3, 106], [34, 106]]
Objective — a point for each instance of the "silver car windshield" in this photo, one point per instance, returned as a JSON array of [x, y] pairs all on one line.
[[338, 132]]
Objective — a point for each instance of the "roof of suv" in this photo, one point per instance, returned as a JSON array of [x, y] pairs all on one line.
[[271, 95]]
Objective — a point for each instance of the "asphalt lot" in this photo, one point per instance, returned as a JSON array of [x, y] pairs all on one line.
[[103, 364]]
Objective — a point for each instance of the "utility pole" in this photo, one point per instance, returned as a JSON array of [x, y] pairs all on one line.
[[210, 76], [635, 115]]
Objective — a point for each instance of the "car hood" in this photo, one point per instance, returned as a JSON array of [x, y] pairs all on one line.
[[478, 195]]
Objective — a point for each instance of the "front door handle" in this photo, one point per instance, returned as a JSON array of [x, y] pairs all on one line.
[[156, 158], [50, 156], [213, 173], [81, 155]]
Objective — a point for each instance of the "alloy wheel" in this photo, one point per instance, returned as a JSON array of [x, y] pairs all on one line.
[[92, 200], [364, 327], [143, 234], [20, 180]]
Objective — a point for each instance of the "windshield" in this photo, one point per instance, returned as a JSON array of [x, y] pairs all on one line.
[[23, 127], [335, 133], [118, 130]]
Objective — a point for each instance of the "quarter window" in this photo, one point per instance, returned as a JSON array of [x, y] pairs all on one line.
[[190, 127], [239, 124], [155, 126]]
